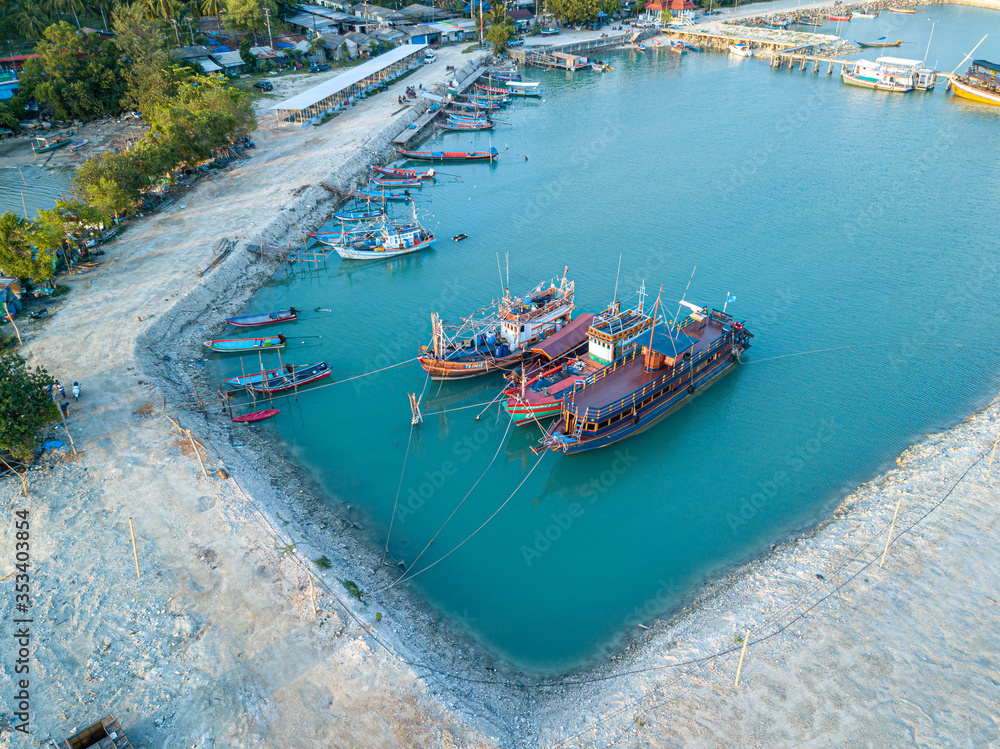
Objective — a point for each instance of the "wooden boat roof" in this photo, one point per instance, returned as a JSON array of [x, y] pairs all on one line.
[[995, 67], [567, 339], [670, 342]]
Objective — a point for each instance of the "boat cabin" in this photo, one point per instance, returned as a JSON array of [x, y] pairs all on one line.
[[616, 334], [985, 75], [667, 348], [911, 71], [566, 61]]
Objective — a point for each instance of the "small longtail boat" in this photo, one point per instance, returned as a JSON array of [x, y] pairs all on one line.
[[671, 365], [405, 173], [44, 144], [241, 381], [501, 339], [491, 155], [907, 11], [233, 345], [405, 182], [838, 18], [537, 391], [360, 215], [292, 377], [383, 196], [268, 318], [492, 90], [267, 413], [451, 125], [879, 43]]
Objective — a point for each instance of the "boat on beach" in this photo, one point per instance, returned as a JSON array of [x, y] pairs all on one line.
[[981, 83], [291, 377], [267, 413], [491, 155], [268, 318], [45, 144], [500, 336], [236, 345], [642, 387], [537, 391]]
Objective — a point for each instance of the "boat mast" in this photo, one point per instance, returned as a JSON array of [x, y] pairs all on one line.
[[928, 52], [677, 320], [969, 55], [617, 274]]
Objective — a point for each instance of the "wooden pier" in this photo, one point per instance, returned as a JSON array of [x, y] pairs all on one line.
[[541, 56], [722, 36], [792, 59], [425, 119]]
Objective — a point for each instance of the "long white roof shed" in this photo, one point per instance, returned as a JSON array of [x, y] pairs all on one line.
[[315, 101]]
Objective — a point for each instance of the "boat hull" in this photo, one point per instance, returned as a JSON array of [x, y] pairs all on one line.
[[349, 253], [526, 413], [234, 346], [965, 91], [443, 369], [650, 416], [256, 321], [874, 83], [256, 416]]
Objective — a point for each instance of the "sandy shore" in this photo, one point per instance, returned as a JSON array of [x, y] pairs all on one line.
[[218, 644]]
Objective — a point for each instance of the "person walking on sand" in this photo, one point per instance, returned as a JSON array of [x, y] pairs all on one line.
[[76, 391], [65, 409], [62, 391]]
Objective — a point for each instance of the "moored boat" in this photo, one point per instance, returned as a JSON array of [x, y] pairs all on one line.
[[889, 74], [405, 173], [242, 381], [478, 125], [44, 144], [858, 14], [981, 83], [267, 413], [741, 50], [268, 318], [907, 11], [491, 155], [234, 345], [291, 377], [388, 241], [502, 337], [383, 196], [402, 182], [365, 215], [838, 18], [879, 43], [537, 392], [642, 387]]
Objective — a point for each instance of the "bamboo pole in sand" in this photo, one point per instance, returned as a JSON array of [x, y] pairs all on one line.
[[739, 668], [135, 552], [889, 539]]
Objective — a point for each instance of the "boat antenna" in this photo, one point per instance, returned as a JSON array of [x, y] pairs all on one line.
[[656, 307], [726, 303], [927, 53], [506, 257], [678, 315], [642, 293], [617, 274], [500, 272], [969, 55]]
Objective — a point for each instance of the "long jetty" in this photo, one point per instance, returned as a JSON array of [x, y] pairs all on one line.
[[792, 58], [413, 132]]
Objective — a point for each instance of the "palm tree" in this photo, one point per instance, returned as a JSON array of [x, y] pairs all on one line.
[[68, 6], [211, 8], [31, 19]]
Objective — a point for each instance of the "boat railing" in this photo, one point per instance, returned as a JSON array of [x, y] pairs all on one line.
[[598, 414]]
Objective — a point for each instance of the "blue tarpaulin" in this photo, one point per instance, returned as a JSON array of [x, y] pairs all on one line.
[[222, 48], [282, 45]]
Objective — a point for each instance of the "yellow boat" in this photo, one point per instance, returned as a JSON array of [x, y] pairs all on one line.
[[981, 83]]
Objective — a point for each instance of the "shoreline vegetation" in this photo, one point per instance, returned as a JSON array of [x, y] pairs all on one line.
[[233, 636]]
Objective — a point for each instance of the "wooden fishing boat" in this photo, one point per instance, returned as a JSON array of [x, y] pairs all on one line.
[[492, 90], [981, 83], [457, 126], [473, 106], [521, 84], [389, 240], [907, 11], [639, 389], [242, 381], [405, 182], [491, 155], [741, 50], [889, 74], [79, 144], [879, 43], [525, 92], [44, 144], [838, 18], [237, 345], [405, 173], [384, 196], [267, 413], [498, 337], [366, 215], [268, 318], [809, 23], [537, 391], [675, 47], [858, 14], [292, 377]]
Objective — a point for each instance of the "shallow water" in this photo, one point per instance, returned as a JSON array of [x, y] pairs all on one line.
[[38, 187], [856, 225]]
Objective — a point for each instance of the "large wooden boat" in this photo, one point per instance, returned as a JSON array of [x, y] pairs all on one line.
[[268, 318], [491, 155], [880, 43], [388, 242], [981, 83], [889, 74], [234, 345], [291, 377], [500, 336], [639, 389], [537, 392]]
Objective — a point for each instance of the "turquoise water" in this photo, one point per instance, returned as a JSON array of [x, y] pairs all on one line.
[[854, 222], [32, 188]]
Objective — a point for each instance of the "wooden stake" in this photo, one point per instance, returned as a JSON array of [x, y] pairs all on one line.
[[312, 594], [197, 452], [24, 481], [201, 405], [135, 553], [10, 318], [990, 465], [889, 539], [66, 427], [739, 668]]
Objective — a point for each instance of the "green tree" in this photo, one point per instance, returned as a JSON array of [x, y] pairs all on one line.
[[19, 256], [247, 16], [248, 59], [152, 75], [30, 18], [573, 11], [25, 406], [71, 221], [666, 16], [609, 7], [501, 28], [77, 75]]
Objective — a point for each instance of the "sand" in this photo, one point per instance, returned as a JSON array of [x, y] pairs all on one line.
[[219, 643]]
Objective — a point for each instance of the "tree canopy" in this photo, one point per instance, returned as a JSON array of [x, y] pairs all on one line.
[[77, 75], [501, 28], [573, 11], [25, 405], [18, 254]]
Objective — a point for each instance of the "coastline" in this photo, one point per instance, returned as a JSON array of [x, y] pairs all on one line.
[[474, 714]]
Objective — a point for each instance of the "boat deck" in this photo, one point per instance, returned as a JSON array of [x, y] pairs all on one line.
[[631, 376]]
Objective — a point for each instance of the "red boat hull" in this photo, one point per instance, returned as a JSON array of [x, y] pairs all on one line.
[[256, 415]]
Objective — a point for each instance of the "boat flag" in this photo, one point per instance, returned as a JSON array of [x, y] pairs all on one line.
[[729, 298]]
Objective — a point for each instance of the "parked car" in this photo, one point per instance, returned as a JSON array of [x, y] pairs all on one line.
[[429, 58], [264, 85], [515, 43], [318, 68]]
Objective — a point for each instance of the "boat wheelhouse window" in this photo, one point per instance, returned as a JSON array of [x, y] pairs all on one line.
[[522, 328], [591, 427]]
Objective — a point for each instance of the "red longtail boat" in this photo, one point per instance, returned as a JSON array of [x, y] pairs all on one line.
[[257, 415], [491, 155], [838, 18]]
